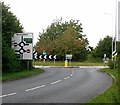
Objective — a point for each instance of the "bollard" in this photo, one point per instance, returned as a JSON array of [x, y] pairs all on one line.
[[66, 63]]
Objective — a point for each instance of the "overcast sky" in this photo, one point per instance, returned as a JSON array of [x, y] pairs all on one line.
[[36, 15]]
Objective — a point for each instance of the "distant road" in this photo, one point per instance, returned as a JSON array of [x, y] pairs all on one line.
[[57, 85]]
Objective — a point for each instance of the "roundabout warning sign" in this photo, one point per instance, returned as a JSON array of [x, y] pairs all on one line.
[[22, 43]]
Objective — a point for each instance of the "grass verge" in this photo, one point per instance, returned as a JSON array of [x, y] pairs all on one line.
[[21, 74], [62, 63], [111, 95]]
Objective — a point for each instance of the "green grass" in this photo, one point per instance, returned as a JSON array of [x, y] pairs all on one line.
[[111, 95], [21, 74], [62, 63]]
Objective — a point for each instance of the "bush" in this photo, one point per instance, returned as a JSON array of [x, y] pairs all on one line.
[[111, 64], [9, 59], [118, 62], [24, 65]]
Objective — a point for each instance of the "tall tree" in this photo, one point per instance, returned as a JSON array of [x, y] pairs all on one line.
[[63, 37], [68, 43], [104, 47], [10, 25]]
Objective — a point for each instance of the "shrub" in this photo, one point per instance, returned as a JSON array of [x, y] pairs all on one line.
[[111, 64]]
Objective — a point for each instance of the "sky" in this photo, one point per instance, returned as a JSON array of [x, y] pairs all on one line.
[[97, 16]]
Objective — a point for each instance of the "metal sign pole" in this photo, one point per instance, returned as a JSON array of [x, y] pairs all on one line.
[[54, 58], [70, 62], [28, 64], [54, 61], [44, 61], [112, 48]]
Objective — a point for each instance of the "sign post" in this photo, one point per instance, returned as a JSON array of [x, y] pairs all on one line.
[[55, 58], [44, 54], [22, 43], [68, 57]]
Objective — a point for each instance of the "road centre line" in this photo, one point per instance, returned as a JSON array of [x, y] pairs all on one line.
[[56, 82], [35, 88], [67, 77], [51, 83], [10, 94], [72, 74]]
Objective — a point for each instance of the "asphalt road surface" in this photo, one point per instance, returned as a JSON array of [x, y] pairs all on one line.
[[57, 85]]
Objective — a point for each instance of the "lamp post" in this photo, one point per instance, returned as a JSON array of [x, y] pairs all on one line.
[[114, 46], [112, 34], [116, 27]]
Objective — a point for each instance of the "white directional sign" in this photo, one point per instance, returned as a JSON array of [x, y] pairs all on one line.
[[22, 43], [45, 56], [35, 57], [50, 57], [55, 57], [40, 56], [68, 56]]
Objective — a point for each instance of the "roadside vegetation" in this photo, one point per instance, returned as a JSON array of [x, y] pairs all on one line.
[[21, 74], [73, 63], [112, 95]]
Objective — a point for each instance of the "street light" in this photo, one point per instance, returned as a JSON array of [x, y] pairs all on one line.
[[116, 28], [112, 33]]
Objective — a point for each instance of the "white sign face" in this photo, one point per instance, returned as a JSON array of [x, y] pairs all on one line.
[[119, 21], [50, 56], [22, 43], [55, 56], [68, 56]]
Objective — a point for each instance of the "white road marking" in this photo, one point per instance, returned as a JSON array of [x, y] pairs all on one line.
[[66, 77], [7, 95], [56, 82], [35, 88], [72, 74]]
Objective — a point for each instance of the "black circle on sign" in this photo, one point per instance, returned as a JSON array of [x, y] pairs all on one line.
[[15, 44], [28, 50]]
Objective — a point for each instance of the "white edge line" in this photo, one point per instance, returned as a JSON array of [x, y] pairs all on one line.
[[35, 88], [8, 95], [56, 82]]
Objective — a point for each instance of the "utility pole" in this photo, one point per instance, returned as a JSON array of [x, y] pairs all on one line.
[[116, 21], [116, 30], [111, 35]]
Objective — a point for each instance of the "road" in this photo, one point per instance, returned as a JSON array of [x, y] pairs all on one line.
[[57, 85]]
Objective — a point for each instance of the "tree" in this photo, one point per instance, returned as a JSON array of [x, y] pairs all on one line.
[[0, 37], [10, 26], [118, 56], [104, 47], [63, 37]]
